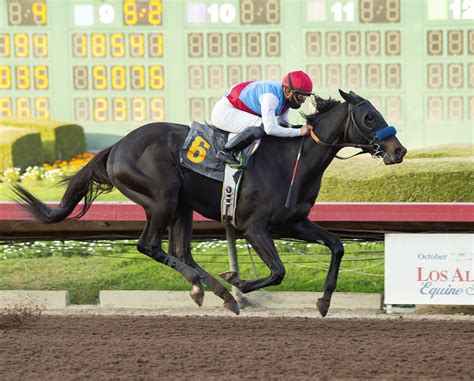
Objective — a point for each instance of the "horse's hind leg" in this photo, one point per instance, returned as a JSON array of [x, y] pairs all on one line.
[[179, 246], [150, 245], [160, 205]]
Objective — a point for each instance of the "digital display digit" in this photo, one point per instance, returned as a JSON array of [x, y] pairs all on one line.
[[435, 109], [435, 76], [5, 77], [197, 108], [333, 76], [142, 12], [272, 44], [23, 108], [254, 12], [353, 44], [313, 44], [42, 108], [234, 75], [22, 46], [353, 76], [157, 77], [137, 45], [27, 12], [157, 109], [117, 45], [393, 45], [196, 77], [139, 113], [315, 73], [253, 44], [435, 42], [214, 44], [372, 43], [373, 76], [455, 76], [119, 113], [455, 42], [99, 77], [254, 73], [455, 108], [234, 44], [216, 77], [118, 77], [393, 76], [155, 45], [137, 77], [333, 43], [22, 77], [40, 45], [379, 11], [274, 72]]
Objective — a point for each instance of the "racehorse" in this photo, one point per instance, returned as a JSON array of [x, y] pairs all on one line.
[[145, 167]]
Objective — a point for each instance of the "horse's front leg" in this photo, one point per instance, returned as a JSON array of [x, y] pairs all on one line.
[[262, 242], [310, 232]]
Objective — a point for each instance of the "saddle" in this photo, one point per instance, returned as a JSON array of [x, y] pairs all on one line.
[[199, 151], [198, 154]]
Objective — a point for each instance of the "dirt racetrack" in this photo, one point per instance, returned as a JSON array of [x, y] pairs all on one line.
[[234, 348]]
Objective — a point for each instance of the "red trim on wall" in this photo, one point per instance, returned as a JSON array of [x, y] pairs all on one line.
[[323, 212]]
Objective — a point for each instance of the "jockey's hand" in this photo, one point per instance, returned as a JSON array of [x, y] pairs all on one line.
[[305, 129]]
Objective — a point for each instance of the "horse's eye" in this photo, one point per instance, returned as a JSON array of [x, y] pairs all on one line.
[[370, 117]]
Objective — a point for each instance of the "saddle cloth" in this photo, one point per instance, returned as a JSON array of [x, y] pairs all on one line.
[[198, 154], [199, 150]]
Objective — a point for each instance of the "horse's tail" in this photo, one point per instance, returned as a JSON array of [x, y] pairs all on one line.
[[87, 184]]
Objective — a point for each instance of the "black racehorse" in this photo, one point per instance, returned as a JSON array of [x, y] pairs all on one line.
[[145, 167]]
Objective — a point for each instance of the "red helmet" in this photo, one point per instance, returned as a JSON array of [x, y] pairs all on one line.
[[298, 81]]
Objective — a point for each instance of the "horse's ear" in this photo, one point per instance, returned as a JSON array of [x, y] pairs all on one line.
[[351, 97], [358, 98]]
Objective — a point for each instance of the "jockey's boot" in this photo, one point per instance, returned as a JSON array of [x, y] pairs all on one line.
[[238, 143]]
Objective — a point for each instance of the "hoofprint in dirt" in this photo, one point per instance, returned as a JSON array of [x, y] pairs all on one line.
[[180, 347]]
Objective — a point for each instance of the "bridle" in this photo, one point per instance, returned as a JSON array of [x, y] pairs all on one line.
[[373, 148]]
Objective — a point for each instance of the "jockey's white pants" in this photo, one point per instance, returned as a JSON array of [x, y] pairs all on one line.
[[226, 117]]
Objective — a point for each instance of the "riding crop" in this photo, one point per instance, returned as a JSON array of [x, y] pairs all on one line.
[[289, 198]]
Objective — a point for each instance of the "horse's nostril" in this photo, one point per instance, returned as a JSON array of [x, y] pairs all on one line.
[[400, 152]]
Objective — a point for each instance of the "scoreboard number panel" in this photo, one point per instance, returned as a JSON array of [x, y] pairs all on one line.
[[116, 71], [140, 12], [127, 62], [27, 12]]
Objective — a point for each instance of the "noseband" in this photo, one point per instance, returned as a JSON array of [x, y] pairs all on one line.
[[373, 148]]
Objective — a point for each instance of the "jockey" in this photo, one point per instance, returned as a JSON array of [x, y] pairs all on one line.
[[248, 105]]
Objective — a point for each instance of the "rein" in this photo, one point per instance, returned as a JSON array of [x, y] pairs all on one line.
[[366, 148]]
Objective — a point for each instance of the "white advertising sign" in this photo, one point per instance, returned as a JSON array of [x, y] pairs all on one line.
[[429, 269]]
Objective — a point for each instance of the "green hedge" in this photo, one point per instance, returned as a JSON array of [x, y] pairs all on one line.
[[442, 179], [19, 148], [446, 150], [70, 141], [61, 141]]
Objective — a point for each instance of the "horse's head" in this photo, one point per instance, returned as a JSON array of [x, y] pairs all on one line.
[[366, 125]]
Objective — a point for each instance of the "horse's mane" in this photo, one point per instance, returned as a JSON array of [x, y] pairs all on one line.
[[321, 105]]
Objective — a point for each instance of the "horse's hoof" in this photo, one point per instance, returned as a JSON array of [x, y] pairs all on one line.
[[323, 307], [228, 276], [197, 294], [232, 306]]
